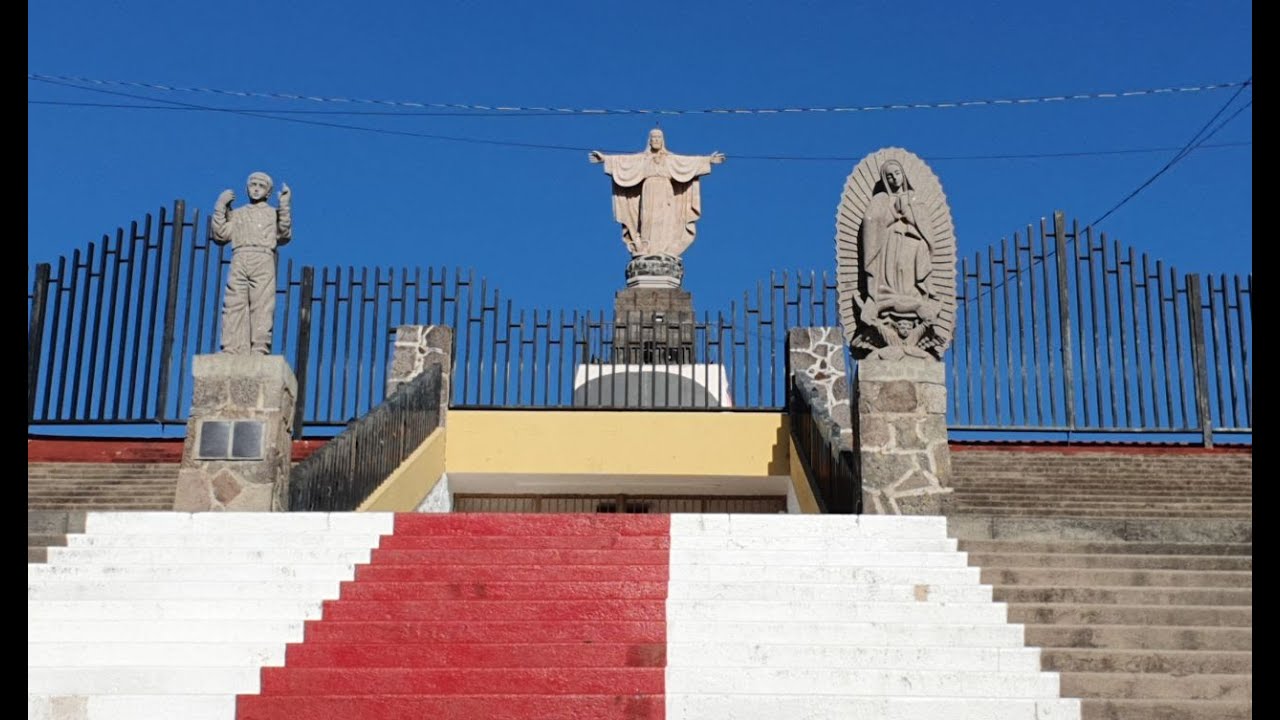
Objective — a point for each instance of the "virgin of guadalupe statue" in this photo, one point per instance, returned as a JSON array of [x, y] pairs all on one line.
[[895, 246], [656, 197]]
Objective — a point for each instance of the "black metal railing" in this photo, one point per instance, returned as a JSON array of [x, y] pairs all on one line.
[[347, 469], [831, 470], [1057, 330]]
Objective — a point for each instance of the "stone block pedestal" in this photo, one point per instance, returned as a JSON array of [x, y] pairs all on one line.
[[902, 436], [239, 435]]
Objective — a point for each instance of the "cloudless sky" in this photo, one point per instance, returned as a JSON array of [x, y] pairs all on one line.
[[538, 222]]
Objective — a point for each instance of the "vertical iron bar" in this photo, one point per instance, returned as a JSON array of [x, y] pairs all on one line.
[[1231, 353], [982, 364], [1151, 347], [1167, 369], [178, 222], [82, 323], [53, 338], [466, 343], [1064, 315], [1008, 334], [1048, 323], [155, 309], [111, 326], [1217, 352], [1022, 323], [1098, 336], [1110, 336], [1244, 348], [995, 329], [97, 323], [359, 335], [968, 342], [347, 327], [66, 336], [303, 349], [1195, 316], [186, 313], [1035, 329], [1124, 352], [1178, 340], [35, 335], [124, 329], [1137, 335]]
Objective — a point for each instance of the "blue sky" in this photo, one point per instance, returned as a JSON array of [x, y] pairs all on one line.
[[537, 222]]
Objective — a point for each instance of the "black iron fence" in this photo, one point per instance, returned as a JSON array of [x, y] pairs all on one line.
[[1058, 330], [347, 469], [831, 471]]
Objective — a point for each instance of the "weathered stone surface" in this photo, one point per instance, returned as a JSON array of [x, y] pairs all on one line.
[[933, 398], [239, 387], [876, 431], [940, 460], [927, 371], [896, 396], [920, 505], [914, 481], [881, 469], [225, 486], [906, 433], [893, 235], [416, 347]]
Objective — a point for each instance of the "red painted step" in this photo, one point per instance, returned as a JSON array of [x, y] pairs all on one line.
[[601, 589], [555, 631], [511, 573], [546, 556], [525, 542], [490, 610], [513, 524], [467, 681], [493, 617], [456, 707], [477, 655]]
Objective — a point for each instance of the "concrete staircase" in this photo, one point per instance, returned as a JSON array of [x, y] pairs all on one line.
[[167, 615], [101, 486], [828, 616], [150, 616], [1140, 597]]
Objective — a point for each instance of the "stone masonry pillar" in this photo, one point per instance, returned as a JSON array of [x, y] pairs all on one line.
[[416, 347], [902, 436], [239, 435]]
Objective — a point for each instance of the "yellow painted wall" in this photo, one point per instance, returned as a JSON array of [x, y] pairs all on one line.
[[800, 484], [406, 488], [618, 442]]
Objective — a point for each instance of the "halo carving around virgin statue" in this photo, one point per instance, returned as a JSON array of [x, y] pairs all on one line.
[[895, 258]]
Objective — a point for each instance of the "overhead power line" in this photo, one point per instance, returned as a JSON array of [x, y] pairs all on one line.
[[465, 108]]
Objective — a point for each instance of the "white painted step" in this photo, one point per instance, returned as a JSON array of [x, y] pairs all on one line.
[[136, 523], [786, 574], [792, 655], [137, 654], [204, 556], [832, 612], [131, 707], [684, 706], [818, 544], [212, 611], [681, 555], [45, 589], [189, 680], [897, 682], [883, 526], [241, 631], [848, 633], [826, 592], [178, 572], [225, 540]]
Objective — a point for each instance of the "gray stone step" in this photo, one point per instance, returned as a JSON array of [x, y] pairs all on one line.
[[1173, 596], [1139, 637], [1098, 709], [1111, 560], [1061, 529], [1125, 686], [1175, 662], [1189, 615], [1096, 548], [54, 522], [1095, 513], [1071, 577]]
